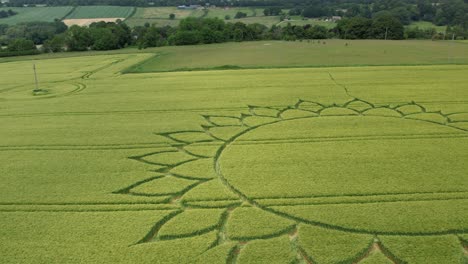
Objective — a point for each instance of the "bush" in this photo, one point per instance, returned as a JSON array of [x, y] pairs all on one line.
[[240, 15]]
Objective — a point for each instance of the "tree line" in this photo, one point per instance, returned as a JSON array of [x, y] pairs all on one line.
[[56, 37]]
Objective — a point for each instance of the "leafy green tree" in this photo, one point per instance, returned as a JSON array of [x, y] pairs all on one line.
[[387, 26], [20, 45], [56, 44], [354, 28], [452, 12], [315, 32], [152, 37], [103, 39], [172, 16], [257, 31], [186, 37], [78, 38]]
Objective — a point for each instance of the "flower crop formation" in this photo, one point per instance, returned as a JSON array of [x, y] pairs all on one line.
[[289, 184]]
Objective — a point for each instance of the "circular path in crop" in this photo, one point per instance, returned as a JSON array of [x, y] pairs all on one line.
[[370, 174]]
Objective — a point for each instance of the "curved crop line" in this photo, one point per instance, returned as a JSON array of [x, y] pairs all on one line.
[[155, 229], [179, 144], [308, 259], [215, 124], [370, 202], [360, 255], [174, 194], [182, 149], [338, 107], [79, 85], [78, 88], [252, 109], [358, 100], [279, 233], [356, 195], [189, 204], [389, 254], [233, 254], [361, 231], [192, 234], [242, 196], [127, 189]]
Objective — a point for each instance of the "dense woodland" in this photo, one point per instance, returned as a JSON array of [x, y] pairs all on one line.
[[382, 19]]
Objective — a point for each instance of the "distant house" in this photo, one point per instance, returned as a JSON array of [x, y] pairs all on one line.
[[4, 1], [190, 7], [335, 18]]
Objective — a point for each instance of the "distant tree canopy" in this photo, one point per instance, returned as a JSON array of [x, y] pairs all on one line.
[[21, 44], [37, 32], [381, 27], [99, 36], [272, 11]]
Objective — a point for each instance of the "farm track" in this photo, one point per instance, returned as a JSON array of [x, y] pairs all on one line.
[[77, 82], [85, 147]]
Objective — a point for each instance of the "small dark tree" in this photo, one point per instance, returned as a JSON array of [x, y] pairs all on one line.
[[240, 15], [387, 27], [56, 44], [172, 16]]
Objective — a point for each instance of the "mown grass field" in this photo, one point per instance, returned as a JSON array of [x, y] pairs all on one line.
[[83, 12], [32, 14], [317, 53], [231, 12], [273, 165]]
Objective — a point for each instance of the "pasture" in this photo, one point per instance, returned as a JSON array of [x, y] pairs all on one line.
[[32, 14], [427, 25], [220, 12], [160, 16], [355, 164], [299, 21]]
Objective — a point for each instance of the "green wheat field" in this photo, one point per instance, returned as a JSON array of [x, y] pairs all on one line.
[[280, 158]]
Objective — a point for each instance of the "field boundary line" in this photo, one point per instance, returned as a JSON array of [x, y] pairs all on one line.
[[69, 13]]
